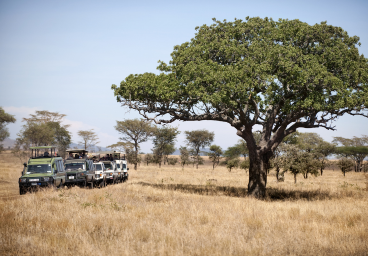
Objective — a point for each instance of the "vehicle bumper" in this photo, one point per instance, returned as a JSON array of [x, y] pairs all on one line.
[[74, 181], [27, 185]]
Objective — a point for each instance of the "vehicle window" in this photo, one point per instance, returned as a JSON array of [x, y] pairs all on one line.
[[60, 166], [74, 166], [124, 166], [98, 167], [39, 168], [118, 165]]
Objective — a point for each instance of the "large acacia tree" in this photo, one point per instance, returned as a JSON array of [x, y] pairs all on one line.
[[279, 75]]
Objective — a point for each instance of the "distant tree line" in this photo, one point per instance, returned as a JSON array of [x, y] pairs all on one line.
[[299, 153]]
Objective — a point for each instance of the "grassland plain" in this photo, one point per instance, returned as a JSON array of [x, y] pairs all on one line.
[[171, 211]]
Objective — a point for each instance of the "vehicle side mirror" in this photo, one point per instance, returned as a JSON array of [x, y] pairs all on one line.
[[55, 171], [25, 164], [127, 169]]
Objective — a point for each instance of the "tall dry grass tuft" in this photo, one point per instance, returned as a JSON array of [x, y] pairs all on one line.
[[170, 211]]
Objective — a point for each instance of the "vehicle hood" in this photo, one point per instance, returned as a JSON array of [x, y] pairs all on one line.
[[33, 175]]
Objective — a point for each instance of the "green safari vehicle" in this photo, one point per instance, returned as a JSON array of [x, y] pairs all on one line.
[[44, 169], [79, 169]]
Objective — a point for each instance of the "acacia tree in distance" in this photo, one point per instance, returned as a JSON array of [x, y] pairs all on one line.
[[184, 156], [135, 131], [41, 129], [164, 142], [279, 75], [355, 148], [314, 144], [215, 155], [198, 139], [89, 138]]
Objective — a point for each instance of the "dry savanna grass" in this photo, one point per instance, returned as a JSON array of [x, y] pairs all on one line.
[[171, 211]]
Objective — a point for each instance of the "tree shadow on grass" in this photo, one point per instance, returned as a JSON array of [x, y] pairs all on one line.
[[272, 194]]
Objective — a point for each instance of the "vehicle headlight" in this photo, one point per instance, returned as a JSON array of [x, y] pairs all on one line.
[[110, 173], [46, 179], [23, 180]]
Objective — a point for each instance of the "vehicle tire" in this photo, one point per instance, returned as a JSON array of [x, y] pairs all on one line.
[[84, 184], [91, 185], [21, 191], [61, 185]]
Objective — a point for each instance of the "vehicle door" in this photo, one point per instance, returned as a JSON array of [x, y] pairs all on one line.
[[59, 173]]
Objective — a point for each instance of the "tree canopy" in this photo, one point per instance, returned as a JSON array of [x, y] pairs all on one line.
[[41, 129], [5, 119], [89, 138], [215, 155], [134, 132], [198, 139], [164, 142], [355, 148], [281, 75]]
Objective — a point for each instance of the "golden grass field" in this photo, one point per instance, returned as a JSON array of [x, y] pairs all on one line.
[[170, 211]]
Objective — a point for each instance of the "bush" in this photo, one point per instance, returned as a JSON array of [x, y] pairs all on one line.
[[244, 164], [172, 161], [232, 164]]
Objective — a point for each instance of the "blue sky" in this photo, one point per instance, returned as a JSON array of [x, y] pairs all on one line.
[[63, 56]]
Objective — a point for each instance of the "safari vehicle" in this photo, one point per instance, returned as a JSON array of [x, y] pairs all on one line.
[[44, 169], [79, 169], [100, 174], [112, 173], [115, 173], [123, 166]]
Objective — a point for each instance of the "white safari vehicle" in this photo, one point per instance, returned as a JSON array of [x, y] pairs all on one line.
[[100, 174], [123, 166], [112, 173], [115, 164]]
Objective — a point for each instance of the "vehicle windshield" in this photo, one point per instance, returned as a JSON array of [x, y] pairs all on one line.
[[74, 166], [39, 168], [108, 166], [98, 167]]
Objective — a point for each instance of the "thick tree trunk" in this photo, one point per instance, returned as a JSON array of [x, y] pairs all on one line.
[[136, 155], [277, 173], [295, 178], [321, 171], [257, 175], [358, 168]]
